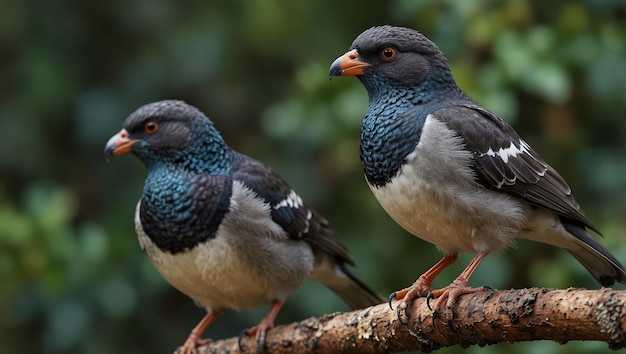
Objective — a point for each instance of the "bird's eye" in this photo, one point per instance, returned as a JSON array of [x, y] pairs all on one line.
[[388, 53], [151, 127]]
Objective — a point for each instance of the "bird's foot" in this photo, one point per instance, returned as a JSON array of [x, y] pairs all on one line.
[[195, 337], [191, 344], [449, 295], [260, 331], [421, 287], [260, 334]]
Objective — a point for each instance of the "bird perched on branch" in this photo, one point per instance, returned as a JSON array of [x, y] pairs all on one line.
[[451, 172], [223, 228]]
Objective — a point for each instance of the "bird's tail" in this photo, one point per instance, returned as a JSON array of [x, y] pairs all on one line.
[[334, 274], [595, 257]]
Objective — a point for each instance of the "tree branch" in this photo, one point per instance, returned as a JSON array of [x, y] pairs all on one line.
[[479, 319]]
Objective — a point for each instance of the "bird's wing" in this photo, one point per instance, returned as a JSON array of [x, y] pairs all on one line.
[[299, 221], [505, 162]]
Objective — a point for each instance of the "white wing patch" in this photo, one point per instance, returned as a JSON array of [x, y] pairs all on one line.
[[511, 151], [293, 200]]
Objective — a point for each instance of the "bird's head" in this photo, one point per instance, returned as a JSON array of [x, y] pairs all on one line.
[[169, 131], [387, 57]]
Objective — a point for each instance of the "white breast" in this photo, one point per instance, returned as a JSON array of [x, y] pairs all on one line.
[[435, 197], [248, 264]]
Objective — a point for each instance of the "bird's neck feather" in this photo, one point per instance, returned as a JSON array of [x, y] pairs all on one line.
[[388, 132], [182, 208], [206, 153], [387, 92]]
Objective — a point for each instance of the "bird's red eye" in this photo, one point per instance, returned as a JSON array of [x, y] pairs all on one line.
[[388, 53], [151, 127]]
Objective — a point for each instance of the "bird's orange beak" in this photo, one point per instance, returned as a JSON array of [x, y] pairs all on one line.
[[348, 64], [119, 144]]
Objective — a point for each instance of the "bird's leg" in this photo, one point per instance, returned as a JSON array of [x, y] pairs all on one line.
[[195, 337], [421, 287], [459, 287], [259, 331]]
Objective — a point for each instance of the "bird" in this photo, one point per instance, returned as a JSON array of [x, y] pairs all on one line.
[[453, 173], [223, 228]]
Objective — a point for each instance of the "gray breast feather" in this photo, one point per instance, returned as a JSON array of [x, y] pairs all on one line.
[[437, 198]]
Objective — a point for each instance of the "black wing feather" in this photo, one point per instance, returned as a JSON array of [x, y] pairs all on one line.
[[299, 221], [526, 176]]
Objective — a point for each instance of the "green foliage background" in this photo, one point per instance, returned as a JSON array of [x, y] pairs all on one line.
[[73, 279]]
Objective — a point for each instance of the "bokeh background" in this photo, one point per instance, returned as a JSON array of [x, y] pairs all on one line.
[[72, 276]]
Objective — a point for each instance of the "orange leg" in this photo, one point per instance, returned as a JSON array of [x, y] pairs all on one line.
[[459, 287], [421, 287], [195, 337], [260, 331]]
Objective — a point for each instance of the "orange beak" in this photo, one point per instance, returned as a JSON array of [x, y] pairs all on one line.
[[119, 144], [348, 64]]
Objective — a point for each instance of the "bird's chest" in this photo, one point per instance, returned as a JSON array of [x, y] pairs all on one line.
[[248, 263], [435, 196], [427, 211], [180, 211], [386, 140], [222, 274]]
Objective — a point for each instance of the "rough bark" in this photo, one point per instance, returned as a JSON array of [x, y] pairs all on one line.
[[479, 319]]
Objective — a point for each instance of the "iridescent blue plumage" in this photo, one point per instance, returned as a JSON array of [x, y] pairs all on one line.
[[194, 145], [180, 208], [184, 197], [392, 125], [223, 228]]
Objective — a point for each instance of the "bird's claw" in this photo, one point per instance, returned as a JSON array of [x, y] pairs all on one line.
[[399, 312], [401, 307], [239, 338], [429, 296], [261, 339], [391, 298], [406, 295], [260, 344]]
